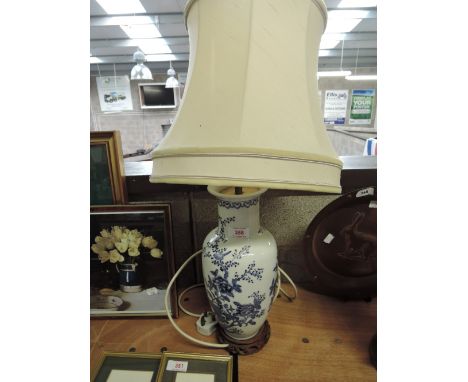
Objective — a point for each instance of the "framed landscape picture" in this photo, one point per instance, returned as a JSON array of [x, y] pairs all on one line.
[[107, 174], [131, 260]]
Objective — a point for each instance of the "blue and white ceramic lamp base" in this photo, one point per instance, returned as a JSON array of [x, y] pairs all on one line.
[[239, 264]]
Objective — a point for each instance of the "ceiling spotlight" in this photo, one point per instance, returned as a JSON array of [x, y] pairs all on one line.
[[140, 71], [171, 81]]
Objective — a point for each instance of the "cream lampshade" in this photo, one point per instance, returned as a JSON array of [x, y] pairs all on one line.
[[250, 118]]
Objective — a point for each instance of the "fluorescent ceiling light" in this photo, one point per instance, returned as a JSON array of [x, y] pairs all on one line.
[[328, 44], [334, 36], [147, 37], [367, 77], [154, 46], [328, 53], [131, 20], [336, 73], [160, 57], [120, 7], [324, 52], [357, 3], [95, 60], [352, 14], [141, 31], [341, 25]]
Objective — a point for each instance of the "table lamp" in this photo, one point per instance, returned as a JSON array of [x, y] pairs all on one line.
[[250, 120]]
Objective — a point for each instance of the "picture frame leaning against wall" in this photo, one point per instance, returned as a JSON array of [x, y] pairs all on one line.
[[107, 171]]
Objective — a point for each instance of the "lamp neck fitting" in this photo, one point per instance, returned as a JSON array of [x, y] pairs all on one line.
[[238, 215]]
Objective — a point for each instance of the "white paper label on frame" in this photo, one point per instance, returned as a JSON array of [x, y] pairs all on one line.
[[194, 377], [365, 192], [240, 233], [373, 204], [173, 365], [328, 239]]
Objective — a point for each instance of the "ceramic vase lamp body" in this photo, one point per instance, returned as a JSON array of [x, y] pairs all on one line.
[[240, 266]]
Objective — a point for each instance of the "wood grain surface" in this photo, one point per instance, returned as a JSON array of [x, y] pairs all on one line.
[[314, 338]]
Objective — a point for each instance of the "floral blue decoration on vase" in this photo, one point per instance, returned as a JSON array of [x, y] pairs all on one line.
[[238, 262], [237, 205]]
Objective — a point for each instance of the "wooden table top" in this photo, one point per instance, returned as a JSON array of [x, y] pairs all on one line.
[[313, 338]]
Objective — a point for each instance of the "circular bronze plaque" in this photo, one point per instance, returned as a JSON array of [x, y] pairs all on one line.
[[341, 247]]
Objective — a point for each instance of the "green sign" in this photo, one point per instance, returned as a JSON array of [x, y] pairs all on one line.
[[362, 103]]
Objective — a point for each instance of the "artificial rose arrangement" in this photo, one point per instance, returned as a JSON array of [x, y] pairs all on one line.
[[122, 244]]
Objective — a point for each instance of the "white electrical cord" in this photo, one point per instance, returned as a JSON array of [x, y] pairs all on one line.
[[291, 282], [193, 339], [278, 285], [166, 302]]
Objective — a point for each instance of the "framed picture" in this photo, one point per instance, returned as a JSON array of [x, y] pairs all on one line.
[[132, 260], [107, 169], [123, 367], [185, 367]]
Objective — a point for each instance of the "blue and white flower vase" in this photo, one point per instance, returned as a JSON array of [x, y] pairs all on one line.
[[239, 264], [129, 277]]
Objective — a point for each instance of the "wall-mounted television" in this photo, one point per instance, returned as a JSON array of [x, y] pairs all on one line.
[[157, 96]]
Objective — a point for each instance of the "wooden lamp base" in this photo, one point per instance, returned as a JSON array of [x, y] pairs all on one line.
[[245, 347]]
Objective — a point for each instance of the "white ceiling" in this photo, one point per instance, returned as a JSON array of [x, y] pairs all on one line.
[[110, 45]]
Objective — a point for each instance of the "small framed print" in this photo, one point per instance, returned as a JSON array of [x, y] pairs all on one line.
[[186, 367], [124, 367], [107, 173], [131, 260]]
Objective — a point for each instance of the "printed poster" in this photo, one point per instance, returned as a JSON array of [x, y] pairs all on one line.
[[114, 93], [336, 102], [362, 103]]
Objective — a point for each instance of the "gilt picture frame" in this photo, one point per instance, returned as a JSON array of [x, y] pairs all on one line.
[[193, 367], [117, 288], [107, 172], [117, 366]]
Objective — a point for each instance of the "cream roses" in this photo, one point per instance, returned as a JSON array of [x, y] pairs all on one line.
[[120, 244]]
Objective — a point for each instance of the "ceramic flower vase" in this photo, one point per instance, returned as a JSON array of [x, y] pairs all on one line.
[[129, 277], [239, 264]]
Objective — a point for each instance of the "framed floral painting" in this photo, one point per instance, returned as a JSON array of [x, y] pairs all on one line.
[[131, 260]]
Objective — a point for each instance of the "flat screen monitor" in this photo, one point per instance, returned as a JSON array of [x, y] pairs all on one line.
[[157, 96]]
